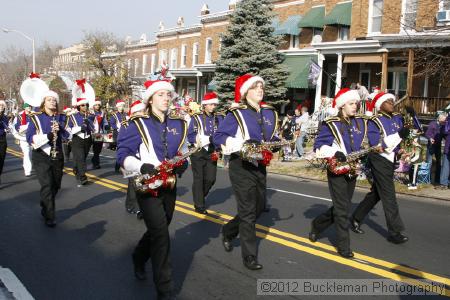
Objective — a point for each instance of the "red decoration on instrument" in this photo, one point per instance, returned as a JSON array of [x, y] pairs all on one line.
[[267, 157], [215, 156], [334, 167], [34, 75], [81, 83]]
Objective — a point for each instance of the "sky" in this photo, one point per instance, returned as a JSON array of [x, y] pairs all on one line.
[[62, 22]]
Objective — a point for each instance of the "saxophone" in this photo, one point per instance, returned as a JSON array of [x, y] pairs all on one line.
[[147, 183], [53, 151], [261, 153], [410, 149], [351, 165]]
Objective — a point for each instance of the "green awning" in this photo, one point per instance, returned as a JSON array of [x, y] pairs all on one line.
[[290, 26], [313, 18], [340, 15], [298, 67]]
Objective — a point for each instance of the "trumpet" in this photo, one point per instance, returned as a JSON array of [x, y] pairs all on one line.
[[53, 151], [147, 183], [261, 153]]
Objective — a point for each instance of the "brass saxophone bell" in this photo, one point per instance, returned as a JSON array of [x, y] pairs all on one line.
[[170, 182]]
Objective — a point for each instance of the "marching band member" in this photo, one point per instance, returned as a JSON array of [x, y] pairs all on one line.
[[137, 108], [116, 121], [21, 129], [204, 162], [81, 127], [247, 123], [100, 126], [338, 137], [389, 125], [142, 147], [3, 130], [67, 144], [44, 129]]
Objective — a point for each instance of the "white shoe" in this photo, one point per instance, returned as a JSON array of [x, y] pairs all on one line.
[[412, 186]]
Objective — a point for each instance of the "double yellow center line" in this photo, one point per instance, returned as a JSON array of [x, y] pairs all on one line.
[[362, 262]]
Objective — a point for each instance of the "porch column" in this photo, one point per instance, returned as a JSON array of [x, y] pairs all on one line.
[[197, 92], [318, 99], [384, 71], [338, 73], [409, 80]]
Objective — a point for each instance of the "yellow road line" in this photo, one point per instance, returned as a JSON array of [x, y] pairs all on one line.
[[268, 235]]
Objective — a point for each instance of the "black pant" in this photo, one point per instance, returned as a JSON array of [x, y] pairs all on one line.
[[155, 243], [49, 173], [383, 189], [97, 149], [3, 146], [204, 171], [131, 199], [67, 147], [341, 190], [80, 149], [249, 186]]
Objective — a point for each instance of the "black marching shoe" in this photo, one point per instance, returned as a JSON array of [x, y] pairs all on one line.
[[251, 263], [226, 242], [313, 236], [397, 238], [50, 223], [355, 226], [96, 167], [139, 215], [201, 211], [345, 253], [139, 269]]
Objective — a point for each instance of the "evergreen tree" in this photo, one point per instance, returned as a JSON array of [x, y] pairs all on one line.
[[249, 46]]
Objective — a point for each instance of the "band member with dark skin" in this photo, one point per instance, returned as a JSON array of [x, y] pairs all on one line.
[[81, 126], [100, 126], [3, 130], [204, 162], [45, 128], [389, 126], [115, 121], [338, 137], [142, 147], [248, 123]]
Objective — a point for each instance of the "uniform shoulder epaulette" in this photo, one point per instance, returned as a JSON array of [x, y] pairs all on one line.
[[363, 116], [396, 114], [175, 117], [132, 118], [267, 106], [220, 113], [196, 114], [34, 113], [241, 106], [332, 119]]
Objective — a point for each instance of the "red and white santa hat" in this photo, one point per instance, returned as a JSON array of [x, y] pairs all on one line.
[[50, 93], [210, 98], [136, 106], [380, 98], [243, 84], [343, 96], [152, 86], [66, 109], [81, 101], [119, 103]]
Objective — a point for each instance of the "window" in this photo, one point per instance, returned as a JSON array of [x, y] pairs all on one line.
[[376, 16], [343, 33], [162, 57], [410, 14], [294, 42], [153, 63], [129, 65], [173, 58], [144, 63], [195, 54], [444, 5], [136, 66], [317, 32], [183, 55], [208, 51]]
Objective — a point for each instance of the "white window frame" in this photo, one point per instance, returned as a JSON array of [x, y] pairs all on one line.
[[407, 4], [129, 65], [294, 41], [153, 63], [195, 54], [208, 52], [173, 58], [183, 56], [163, 57], [370, 17], [442, 4], [136, 66], [144, 63]]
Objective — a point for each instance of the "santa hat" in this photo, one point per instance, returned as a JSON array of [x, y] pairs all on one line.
[[369, 108], [66, 109], [50, 93], [210, 98], [136, 106], [343, 96], [98, 102], [380, 98], [120, 103], [243, 84], [81, 101], [152, 86]]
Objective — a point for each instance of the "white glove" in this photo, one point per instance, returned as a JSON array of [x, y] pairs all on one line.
[[232, 145]]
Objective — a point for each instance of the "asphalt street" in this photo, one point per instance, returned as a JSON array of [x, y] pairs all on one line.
[[88, 254]]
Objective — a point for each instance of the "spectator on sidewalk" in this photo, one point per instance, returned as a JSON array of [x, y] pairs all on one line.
[[287, 133], [301, 123], [434, 134], [445, 170]]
